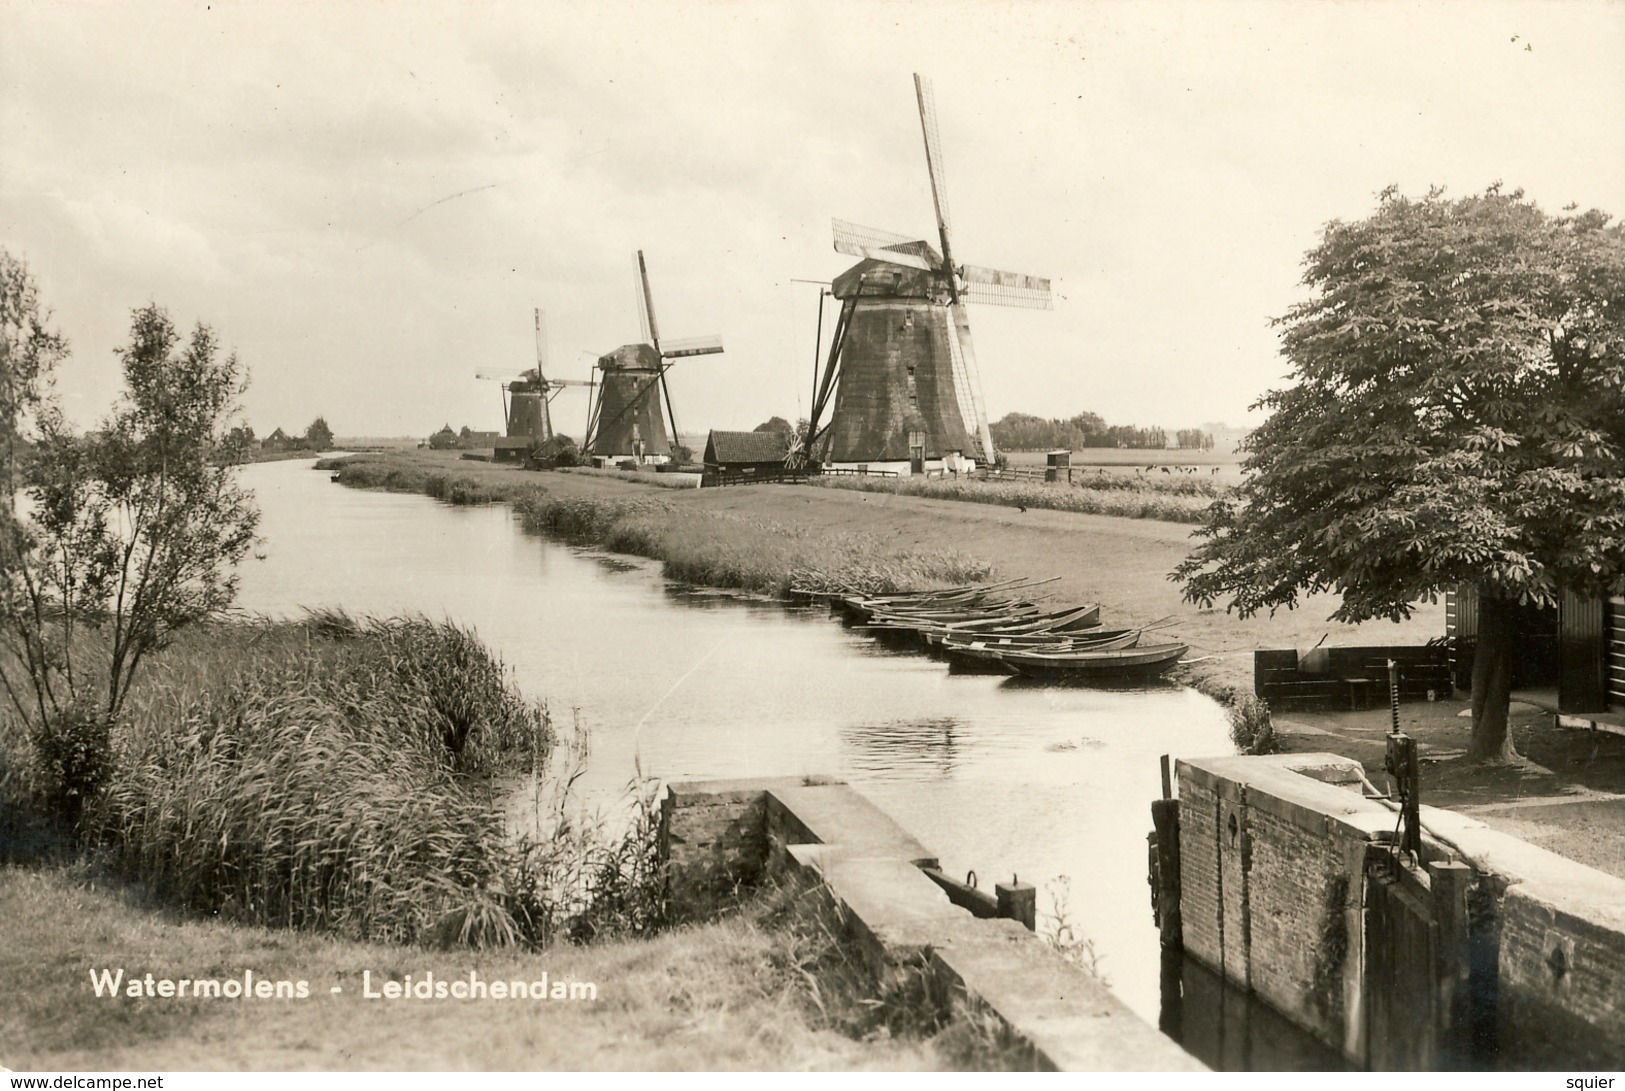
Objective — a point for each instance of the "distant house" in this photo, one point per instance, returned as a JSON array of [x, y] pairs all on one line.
[[480, 439], [281, 441], [745, 452]]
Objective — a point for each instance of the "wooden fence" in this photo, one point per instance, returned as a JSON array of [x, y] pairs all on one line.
[[1350, 678]]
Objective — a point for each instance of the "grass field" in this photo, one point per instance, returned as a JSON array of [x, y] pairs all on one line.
[[1223, 467]]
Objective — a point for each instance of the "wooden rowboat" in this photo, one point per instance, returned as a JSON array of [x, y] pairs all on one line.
[[1138, 662], [977, 655]]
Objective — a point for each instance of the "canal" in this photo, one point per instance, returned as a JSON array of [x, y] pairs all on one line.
[[1052, 784]]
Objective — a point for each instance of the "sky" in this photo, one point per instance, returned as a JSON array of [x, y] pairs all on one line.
[[366, 200]]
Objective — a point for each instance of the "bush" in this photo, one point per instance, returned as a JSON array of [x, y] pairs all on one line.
[[72, 752]]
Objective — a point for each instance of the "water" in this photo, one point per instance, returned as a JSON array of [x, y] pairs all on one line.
[[994, 776]]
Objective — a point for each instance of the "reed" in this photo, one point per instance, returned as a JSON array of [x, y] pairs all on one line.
[[332, 775], [1178, 501]]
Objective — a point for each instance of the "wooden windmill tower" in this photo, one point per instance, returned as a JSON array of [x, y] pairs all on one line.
[[527, 398], [901, 383], [625, 421]]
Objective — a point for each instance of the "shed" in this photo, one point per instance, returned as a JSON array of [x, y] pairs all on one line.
[[1575, 652], [746, 452]]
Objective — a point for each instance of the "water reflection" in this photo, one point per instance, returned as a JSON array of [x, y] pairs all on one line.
[[902, 749], [1227, 1030]]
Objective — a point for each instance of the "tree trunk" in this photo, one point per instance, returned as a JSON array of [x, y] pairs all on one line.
[[1492, 681]]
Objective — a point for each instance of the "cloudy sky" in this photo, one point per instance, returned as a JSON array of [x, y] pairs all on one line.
[[367, 199]]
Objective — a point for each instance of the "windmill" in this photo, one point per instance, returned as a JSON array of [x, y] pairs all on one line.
[[901, 367], [527, 418], [625, 419]]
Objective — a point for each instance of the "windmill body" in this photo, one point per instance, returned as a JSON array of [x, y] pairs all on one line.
[[897, 401], [900, 385], [626, 420], [630, 419], [526, 400]]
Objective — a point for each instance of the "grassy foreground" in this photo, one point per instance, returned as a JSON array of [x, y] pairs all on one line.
[[757, 990]]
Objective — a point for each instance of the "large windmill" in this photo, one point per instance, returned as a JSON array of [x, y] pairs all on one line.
[[901, 368], [625, 420], [527, 417]]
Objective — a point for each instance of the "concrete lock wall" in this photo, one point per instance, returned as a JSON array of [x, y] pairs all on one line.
[[869, 875], [1274, 896]]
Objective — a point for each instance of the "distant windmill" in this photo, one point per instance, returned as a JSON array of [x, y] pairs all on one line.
[[626, 419], [901, 368], [527, 418]]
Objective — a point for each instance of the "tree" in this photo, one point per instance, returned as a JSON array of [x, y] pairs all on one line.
[[1457, 418], [134, 532], [29, 353], [319, 437], [774, 424]]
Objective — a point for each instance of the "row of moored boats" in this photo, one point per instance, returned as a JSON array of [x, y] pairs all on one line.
[[997, 628]]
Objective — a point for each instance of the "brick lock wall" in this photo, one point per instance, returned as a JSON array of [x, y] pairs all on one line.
[[1299, 893], [714, 841], [1235, 857], [1199, 873], [1562, 987]]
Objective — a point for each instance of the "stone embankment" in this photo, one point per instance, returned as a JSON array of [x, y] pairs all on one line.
[[869, 877]]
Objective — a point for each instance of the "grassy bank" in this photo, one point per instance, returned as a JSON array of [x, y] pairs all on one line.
[[721, 549]]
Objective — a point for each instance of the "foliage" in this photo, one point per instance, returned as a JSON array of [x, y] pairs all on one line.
[[135, 529], [321, 775], [1025, 432], [29, 353], [73, 761], [318, 436], [1457, 416], [775, 424]]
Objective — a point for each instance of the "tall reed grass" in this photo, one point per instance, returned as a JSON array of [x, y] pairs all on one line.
[[355, 777]]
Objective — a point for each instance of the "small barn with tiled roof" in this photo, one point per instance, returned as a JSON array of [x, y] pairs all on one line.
[[745, 452]]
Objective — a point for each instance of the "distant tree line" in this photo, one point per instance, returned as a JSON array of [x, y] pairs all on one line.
[[1025, 432]]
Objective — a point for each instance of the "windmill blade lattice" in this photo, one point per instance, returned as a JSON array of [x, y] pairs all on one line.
[[691, 346], [933, 151], [853, 238], [1003, 289]]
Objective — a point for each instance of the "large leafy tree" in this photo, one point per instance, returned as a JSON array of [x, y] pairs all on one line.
[[1456, 416]]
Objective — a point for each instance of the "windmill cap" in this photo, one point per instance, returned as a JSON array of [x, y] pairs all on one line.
[[631, 358]]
